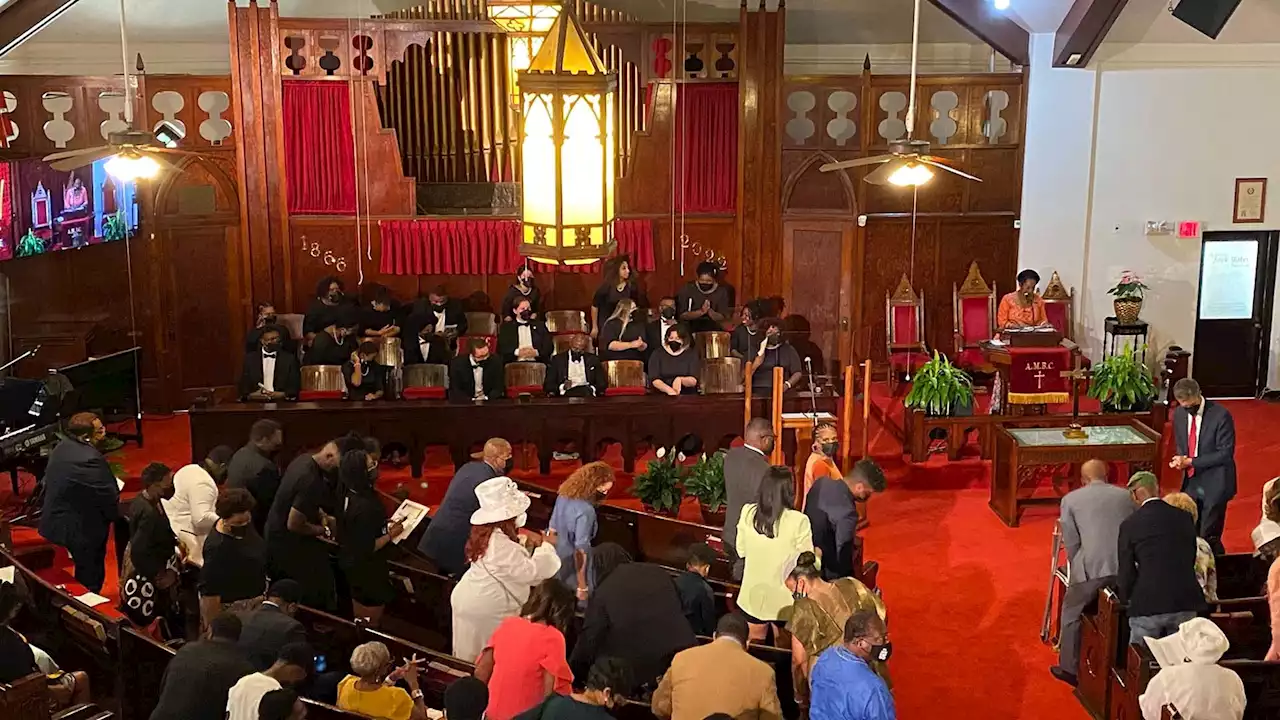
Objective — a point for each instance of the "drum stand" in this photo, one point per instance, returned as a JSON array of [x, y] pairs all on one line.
[[1058, 567]]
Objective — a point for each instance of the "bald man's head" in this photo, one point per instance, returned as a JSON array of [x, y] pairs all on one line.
[[497, 452], [1093, 471], [759, 435]]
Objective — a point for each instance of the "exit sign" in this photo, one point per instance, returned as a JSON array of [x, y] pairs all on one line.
[[1189, 230]]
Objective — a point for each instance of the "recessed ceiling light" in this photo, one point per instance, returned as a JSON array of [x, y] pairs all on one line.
[[1001, 4]]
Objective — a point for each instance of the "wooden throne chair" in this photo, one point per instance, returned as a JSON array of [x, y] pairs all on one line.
[[973, 305], [904, 332]]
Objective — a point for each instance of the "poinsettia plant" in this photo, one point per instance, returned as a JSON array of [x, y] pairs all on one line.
[[1129, 287]]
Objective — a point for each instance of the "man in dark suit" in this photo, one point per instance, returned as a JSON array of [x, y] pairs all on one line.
[[833, 514], [198, 678], [270, 374], [744, 469], [446, 536], [575, 372], [272, 626], [1205, 436], [477, 375], [1157, 563], [254, 468], [666, 319], [524, 339], [432, 329], [81, 499]]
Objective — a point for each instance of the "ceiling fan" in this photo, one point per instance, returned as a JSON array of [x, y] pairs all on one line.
[[131, 154], [908, 162]]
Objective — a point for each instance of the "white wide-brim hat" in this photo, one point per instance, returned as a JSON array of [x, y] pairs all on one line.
[[1198, 641], [500, 500], [1266, 531]]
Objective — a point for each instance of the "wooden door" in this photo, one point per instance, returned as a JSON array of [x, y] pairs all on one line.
[[821, 272], [1233, 315]]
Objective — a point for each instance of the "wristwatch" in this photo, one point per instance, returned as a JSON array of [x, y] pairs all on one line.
[[416, 694]]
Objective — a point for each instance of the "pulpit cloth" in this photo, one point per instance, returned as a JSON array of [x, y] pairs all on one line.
[[1035, 375]]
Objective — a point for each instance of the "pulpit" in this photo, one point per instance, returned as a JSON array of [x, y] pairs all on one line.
[[1029, 364]]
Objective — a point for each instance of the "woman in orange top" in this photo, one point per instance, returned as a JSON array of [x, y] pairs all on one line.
[[1023, 307], [822, 461]]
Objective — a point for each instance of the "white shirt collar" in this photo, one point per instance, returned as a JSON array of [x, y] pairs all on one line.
[[1150, 499], [752, 447]]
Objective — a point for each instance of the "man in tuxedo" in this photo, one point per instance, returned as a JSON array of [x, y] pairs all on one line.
[[270, 374], [254, 468], [435, 325], [81, 499], [525, 339], [744, 469], [1090, 518], [576, 372], [1205, 436], [267, 318], [1157, 563], [476, 375]]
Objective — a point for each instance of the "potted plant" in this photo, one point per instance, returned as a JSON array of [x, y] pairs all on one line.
[[1122, 383], [940, 388], [705, 482], [1128, 293], [658, 487]]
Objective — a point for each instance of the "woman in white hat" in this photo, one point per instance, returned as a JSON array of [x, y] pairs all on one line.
[[502, 571]]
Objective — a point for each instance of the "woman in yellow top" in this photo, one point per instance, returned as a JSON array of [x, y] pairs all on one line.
[[822, 459], [771, 533], [371, 690], [817, 617], [1023, 307]]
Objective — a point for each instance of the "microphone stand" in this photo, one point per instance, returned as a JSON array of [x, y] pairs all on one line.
[[813, 398], [30, 353]]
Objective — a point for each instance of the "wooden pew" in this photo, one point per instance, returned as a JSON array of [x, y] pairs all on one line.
[[1261, 684], [25, 699]]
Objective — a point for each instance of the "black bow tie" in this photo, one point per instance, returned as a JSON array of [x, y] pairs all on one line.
[[268, 354]]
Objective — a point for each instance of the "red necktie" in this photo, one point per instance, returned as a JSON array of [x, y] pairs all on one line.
[[1192, 442]]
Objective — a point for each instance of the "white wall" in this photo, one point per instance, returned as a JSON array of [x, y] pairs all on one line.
[[104, 59], [1172, 132]]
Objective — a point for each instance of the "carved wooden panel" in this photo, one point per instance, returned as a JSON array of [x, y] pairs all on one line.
[[701, 51], [823, 113], [203, 281], [205, 114], [819, 267], [318, 48]]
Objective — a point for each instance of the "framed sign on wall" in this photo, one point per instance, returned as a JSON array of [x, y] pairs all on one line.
[[1250, 201]]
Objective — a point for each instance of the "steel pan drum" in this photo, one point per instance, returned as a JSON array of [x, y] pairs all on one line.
[[389, 354], [481, 323], [712, 344], [624, 373], [562, 343], [721, 376], [526, 374], [426, 375], [566, 321], [323, 378]]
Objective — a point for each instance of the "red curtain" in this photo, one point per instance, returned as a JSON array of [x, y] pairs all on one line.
[[319, 148], [707, 147], [480, 247]]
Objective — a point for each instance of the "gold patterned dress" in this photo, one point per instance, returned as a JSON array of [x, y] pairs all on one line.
[[817, 621]]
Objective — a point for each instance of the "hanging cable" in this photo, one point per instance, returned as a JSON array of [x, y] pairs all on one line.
[[675, 239], [124, 187], [915, 56], [684, 140]]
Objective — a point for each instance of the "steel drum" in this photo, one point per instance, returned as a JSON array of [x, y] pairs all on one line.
[[526, 374], [721, 376], [389, 354], [323, 378], [624, 373], [426, 375], [481, 323], [566, 321], [712, 344], [562, 343]]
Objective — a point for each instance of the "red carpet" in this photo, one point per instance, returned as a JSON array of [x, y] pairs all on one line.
[[965, 594]]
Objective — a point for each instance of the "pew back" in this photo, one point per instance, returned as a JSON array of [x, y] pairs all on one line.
[[25, 699]]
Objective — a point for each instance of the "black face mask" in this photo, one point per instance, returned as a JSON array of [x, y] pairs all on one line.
[[524, 315], [270, 347], [668, 313], [882, 652], [268, 319], [1193, 409], [526, 281], [773, 342], [508, 465], [768, 446], [706, 287], [600, 497], [239, 530], [438, 306], [675, 345], [830, 449], [335, 296]]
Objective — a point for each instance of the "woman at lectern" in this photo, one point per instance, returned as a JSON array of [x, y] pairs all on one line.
[[1024, 307]]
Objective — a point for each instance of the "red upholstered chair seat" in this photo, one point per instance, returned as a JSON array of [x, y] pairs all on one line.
[[517, 391], [424, 393], [465, 340], [313, 395], [908, 360], [624, 391]]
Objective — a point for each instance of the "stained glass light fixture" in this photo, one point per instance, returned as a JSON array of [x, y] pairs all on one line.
[[527, 23], [567, 148]]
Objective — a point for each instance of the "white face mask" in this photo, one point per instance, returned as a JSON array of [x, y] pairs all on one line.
[[521, 519]]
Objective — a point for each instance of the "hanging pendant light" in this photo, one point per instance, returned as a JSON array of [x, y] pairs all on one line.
[[567, 149], [527, 23]]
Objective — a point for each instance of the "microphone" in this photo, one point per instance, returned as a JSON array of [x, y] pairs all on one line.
[[813, 398]]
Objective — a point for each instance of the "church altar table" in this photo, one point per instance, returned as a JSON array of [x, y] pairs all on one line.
[[542, 421], [1022, 453]]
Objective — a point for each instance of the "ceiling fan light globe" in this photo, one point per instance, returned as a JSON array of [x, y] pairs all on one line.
[[911, 175], [130, 167]]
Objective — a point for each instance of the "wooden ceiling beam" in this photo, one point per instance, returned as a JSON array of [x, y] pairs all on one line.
[[991, 26], [1083, 30], [22, 19]]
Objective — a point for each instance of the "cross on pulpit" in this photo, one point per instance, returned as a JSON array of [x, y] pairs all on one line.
[[1039, 376], [1075, 431]]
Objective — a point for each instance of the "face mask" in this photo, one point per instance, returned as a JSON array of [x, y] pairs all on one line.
[[769, 445], [168, 494], [600, 496], [675, 345], [1193, 409], [882, 652], [269, 319], [521, 519], [238, 530], [271, 346], [438, 306], [524, 315], [506, 467], [373, 474], [830, 449], [668, 313], [773, 341], [706, 287], [335, 295], [526, 281], [798, 594]]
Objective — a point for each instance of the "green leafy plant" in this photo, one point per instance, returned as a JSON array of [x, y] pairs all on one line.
[[1122, 383], [940, 388], [658, 487], [705, 481], [114, 228], [1129, 287], [30, 244]]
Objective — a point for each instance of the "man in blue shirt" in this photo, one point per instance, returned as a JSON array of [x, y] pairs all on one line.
[[843, 685]]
